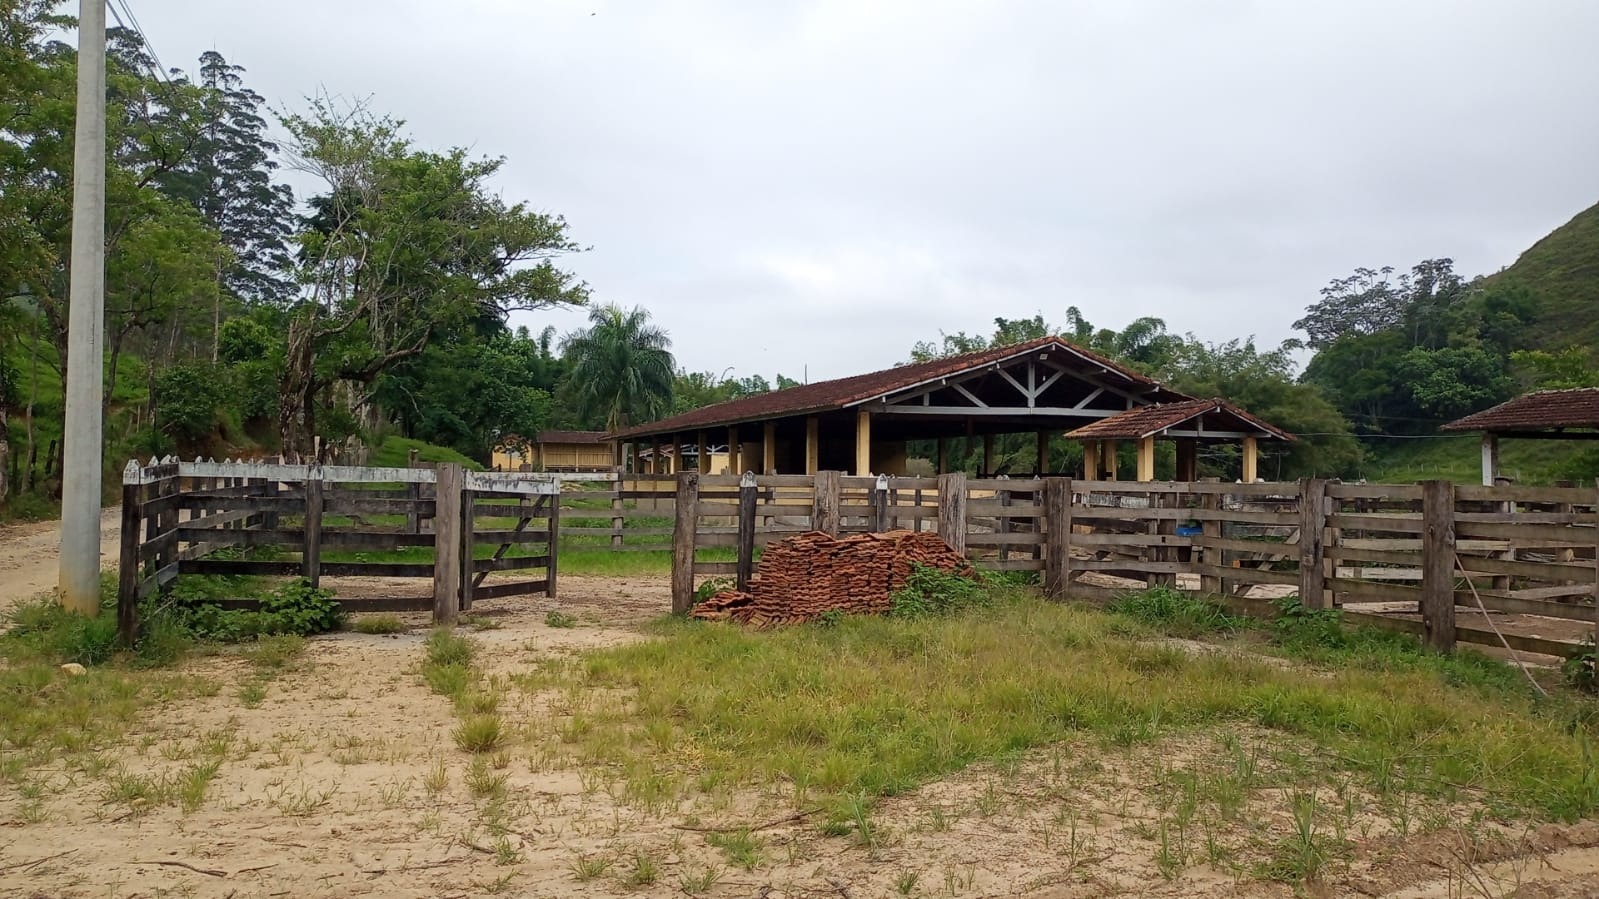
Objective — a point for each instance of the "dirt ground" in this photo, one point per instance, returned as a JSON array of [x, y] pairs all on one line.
[[30, 556], [340, 778]]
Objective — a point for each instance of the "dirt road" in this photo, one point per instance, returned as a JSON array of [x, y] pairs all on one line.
[[30, 555]]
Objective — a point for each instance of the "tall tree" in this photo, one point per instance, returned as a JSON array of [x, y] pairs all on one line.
[[404, 245], [229, 178], [622, 367]]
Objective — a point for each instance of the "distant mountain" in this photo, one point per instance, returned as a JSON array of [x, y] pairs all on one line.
[[1562, 269]]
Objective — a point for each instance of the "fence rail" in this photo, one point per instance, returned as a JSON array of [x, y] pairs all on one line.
[[1429, 547]]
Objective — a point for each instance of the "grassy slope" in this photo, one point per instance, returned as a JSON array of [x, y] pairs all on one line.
[[1563, 268], [392, 453], [1458, 458]]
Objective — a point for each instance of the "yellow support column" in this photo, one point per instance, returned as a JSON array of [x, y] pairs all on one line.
[[813, 444], [863, 442], [734, 460], [1043, 453], [1090, 460], [1251, 458], [1146, 459], [769, 448], [702, 464], [1110, 460]]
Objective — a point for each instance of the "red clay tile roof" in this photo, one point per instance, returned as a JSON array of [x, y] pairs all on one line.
[[1537, 411], [1146, 420], [843, 392], [569, 437]]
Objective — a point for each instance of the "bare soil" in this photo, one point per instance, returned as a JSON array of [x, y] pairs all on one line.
[[30, 556]]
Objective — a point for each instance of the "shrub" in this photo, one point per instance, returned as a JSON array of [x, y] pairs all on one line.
[[710, 587], [186, 400], [556, 618], [934, 591]]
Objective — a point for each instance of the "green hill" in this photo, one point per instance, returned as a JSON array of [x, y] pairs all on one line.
[[1562, 269]]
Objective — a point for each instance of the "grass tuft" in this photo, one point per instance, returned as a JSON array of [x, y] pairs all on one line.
[[479, 734], [378, 624]]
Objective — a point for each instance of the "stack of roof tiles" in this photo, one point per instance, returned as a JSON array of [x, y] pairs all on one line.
[[806, 576]]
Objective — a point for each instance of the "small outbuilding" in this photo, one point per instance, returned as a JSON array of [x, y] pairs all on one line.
[[554, 451], [1189, 423], [1541, 415]]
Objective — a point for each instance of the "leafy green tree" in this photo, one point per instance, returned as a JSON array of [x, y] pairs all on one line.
[[1560, 370], [621, 368], [404, 246], [1263, 383]]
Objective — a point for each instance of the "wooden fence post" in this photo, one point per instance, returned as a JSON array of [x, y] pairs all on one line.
[[1312, 536], [684, 532], [1438, 564], [1058, 534], [1596, 567], [617, 520], [825, 505], [553, 547], [311, 552], [447, 543], [880, 505], [1003, 525], [413, 494], [952, 510], [1212, 557], [468, 538], [128, 563], [747, 495]]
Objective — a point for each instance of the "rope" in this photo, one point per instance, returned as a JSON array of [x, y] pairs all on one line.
[[1489, 618]]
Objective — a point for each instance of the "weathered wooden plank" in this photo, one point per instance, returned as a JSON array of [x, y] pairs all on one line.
[[495, 589], [718, 569], [448, 551], [1134, 565], [1516, 493], [1312, 539], [1017, 538], [688, 513], [296, 537], [1011, 564], [128, 565], [1375, 491], [953, 510], [490, 537], [1373, 591], [290, 567], [1397, 522], [1247, 575], [1137, 488], [1098, 539], [1523, 535], [1083, 513], [509, 563], [311, 534], [1278, 548], [746, 531]]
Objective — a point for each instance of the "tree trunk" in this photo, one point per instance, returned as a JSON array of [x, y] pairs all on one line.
[[5, 453], [111, 376], [33, 396], [297, 391]]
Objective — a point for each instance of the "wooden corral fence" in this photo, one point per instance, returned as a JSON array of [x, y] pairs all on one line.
[[246, 518], [1418, 549]]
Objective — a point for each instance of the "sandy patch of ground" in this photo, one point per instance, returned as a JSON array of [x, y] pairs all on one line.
[[30, 556]]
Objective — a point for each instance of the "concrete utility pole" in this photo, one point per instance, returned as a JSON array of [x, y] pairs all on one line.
[[81, 462]]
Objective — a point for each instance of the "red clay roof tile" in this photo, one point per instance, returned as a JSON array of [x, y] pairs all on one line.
[[1538, 411]]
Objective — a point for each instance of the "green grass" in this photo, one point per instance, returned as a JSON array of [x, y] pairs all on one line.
[[1458, 458], [378, 624], [394, 452], [1562, 268], [877, 706]]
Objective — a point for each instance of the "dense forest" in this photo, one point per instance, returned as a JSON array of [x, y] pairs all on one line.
[[242, 319]]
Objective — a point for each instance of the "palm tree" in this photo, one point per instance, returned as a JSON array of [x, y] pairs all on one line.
[[622, 367]]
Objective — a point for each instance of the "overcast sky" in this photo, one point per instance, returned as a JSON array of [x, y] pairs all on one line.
[[819, 185]]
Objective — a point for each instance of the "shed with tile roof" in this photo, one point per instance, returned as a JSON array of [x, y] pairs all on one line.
[[1543, 415], [862, 423]]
